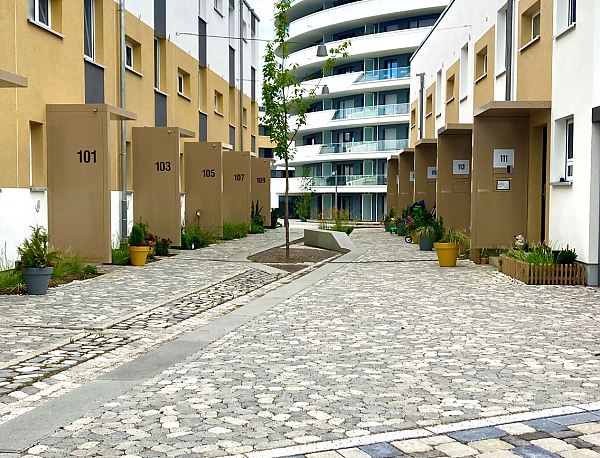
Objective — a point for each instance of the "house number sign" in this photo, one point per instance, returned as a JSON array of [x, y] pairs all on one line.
[[432, 173], [504, 158], [460, 167]]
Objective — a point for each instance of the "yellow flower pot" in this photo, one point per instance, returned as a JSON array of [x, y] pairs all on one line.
[[447, 253], [138, 255], [414, 236]]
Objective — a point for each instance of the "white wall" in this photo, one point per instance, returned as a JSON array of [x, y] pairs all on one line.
[[143, 9], [115, 216], [182, 16], [18, 213], [574, 209], [465, 22]]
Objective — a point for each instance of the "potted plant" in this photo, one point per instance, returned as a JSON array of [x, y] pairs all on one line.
[[387, 219], [448, 246], [36, 261], [138, 246], [274, 216], [429, 234]]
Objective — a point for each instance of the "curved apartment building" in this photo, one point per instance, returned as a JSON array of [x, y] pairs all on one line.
[[361, 115]]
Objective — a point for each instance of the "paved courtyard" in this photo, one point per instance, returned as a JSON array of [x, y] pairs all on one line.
[[376, 351]]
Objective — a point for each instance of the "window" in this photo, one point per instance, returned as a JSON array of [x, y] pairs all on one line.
[[535, 26], [180, 84], [218, 102], [481, 64], [569, 149], [572, 18], [156, 63], [413, 117], [128, 56], [464, 71], [501, 41], [200, 90], [450, 89], [429, 105], [89, 31], [36, 154], [245, 117], [39, 11], [438, 93]]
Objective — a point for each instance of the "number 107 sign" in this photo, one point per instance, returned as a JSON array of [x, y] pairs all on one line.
[[504, 158]]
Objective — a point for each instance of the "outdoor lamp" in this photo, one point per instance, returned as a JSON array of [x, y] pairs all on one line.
[[325, 90], [322, 50], [198, 213]]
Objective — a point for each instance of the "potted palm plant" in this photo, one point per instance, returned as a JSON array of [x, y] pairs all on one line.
[[448, 247], [429, 234], [274, 216], [138, 246], [36, 261]]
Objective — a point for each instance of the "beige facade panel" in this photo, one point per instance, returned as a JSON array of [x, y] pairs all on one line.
[[534, 57], [453, 194], [483, 92], [406, 168], [237, 179], [499, 194], [425, 160], [9, 79], [156, 179], [261, 183], [429, 103], [204, 185], [79, 180], [392, 183], [452, 93]]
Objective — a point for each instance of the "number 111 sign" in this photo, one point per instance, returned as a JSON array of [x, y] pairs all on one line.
[[504, 158]]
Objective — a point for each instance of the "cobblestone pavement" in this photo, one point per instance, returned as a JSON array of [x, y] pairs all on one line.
[[375, 347], [31, 355]]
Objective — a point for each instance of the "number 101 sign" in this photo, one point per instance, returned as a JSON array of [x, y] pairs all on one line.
[[504, 158]]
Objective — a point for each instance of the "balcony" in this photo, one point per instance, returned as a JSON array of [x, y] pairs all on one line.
[[384, 74], [364, 147], [351, 180], [380, 110]]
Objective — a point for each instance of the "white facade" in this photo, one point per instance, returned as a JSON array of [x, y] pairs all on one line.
[[574, 210], [363, 117]]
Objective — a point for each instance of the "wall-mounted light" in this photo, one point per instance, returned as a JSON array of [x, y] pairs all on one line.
[[322, 50], [325, 90]]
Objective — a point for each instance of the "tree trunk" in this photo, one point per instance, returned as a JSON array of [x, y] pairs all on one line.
[[286, 220]]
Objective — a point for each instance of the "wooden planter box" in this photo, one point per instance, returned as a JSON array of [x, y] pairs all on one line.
[[536, 274]]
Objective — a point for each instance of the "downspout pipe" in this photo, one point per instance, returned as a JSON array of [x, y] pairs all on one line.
[[509, 48], [421, 94], [123, 130], [241, 75]]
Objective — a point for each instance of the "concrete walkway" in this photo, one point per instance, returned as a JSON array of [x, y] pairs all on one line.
[[386, 343]]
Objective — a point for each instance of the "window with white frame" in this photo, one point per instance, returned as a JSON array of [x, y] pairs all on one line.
[[572, 17], [535, 25], [464, 71], [570, 126], [501, 41], [156, 63], [438, 93], [39, 11], [180, 83], [89, 31], [129, 56]]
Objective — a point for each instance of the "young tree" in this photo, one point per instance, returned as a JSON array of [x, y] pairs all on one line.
[[283, 95], [304, 201]]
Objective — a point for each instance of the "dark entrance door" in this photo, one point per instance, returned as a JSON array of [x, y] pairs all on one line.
[[544, 165]]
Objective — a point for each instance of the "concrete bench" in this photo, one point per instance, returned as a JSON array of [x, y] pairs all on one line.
[[329, 240]]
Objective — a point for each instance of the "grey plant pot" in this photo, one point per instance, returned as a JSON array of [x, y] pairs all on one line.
[[37, 279], [425, 244]]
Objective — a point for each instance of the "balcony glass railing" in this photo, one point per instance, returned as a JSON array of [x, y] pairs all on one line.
[[364, 147], [380, 110], [384, 74], [351, 180]]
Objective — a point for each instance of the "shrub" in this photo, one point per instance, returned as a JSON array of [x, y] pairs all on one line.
[[537, 254], [434, 230], [138, 234], [566, 256], [186, 242], [204, 237], [35, 251], [120, 256], [234, 230], [161, 246], [256, 216], [256, 229]]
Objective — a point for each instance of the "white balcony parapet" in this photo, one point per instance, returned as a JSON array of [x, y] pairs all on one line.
[[350, 180], [364, 147], [378, 110]]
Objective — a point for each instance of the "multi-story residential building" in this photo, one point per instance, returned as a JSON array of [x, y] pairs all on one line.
[[182, 69], [519, 80], [361, 113]]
